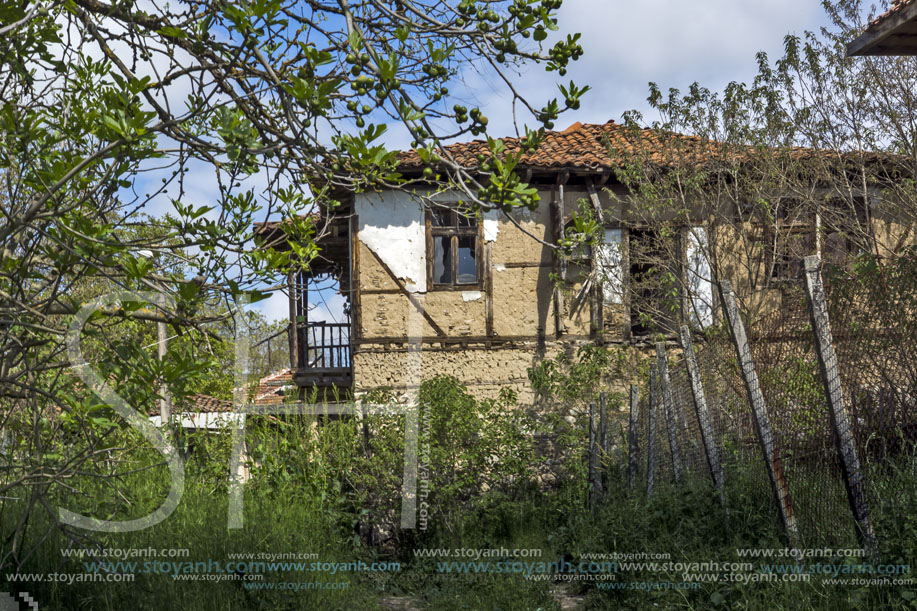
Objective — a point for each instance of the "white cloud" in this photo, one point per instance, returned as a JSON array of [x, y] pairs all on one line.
[[628, 44], [325, 304], [275, 307]]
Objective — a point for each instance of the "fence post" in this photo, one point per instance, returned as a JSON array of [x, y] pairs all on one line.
[[840, 420], [669, 410], [703, 414], [593, 488], [603, 440], [759, 412], [651, 432], [632, 449]]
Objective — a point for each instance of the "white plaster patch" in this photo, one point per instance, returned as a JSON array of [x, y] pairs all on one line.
[[491, 225], [471, 295], [392, 226], [499, 267]]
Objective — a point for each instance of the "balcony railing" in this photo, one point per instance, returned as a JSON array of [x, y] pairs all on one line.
[[324, 347]]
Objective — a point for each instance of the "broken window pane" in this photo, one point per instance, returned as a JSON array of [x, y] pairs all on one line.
[[442, 260], [610, 262], [467, 266], [441, 217], [699, 278], [466, 218]]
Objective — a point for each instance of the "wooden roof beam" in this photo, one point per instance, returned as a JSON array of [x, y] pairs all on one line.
[[889, 36]]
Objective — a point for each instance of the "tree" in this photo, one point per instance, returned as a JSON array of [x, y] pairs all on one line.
[[110, 107]]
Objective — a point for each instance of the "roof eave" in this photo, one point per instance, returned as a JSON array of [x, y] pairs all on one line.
[[885, 37]]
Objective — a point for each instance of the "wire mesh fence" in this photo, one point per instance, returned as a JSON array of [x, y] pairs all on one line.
[[832, 401]]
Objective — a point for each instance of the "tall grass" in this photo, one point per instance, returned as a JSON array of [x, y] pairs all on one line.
[[321, 486]]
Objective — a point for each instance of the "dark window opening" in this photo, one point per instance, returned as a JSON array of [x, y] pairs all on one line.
[[655, 288], [455, 240], [787, 249], [841, 226], [845, 230], [467, 263], [787, 238]]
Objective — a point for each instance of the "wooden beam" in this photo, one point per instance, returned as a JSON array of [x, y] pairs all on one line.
[[407, 293], [766, 439], [876, 39], [598, 295], [466, 339], [668, 406], [557, 228], [596, 204], [294, 326], [633, 450], [651, 430], [488, 292], [625, 262], [702, 413], [356, 310], [524, 264], [851, 471]]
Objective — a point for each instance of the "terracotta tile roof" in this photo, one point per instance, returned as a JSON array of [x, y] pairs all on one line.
[[199, 403], [602, 148], [273, 388], [894, 7], [579, 147]]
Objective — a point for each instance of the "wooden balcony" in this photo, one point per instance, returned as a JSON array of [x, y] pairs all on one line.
[[324, 355]]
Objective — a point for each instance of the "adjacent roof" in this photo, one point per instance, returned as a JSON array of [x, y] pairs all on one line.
[[274, 387], [201, 404], [271, 390], [579, 147], [894, 32]]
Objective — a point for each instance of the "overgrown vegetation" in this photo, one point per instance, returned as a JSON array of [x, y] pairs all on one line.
[[141, 146], [323, 486]]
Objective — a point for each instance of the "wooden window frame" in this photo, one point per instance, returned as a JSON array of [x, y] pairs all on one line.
[[775, 241], [817, 228], [838, 221], [638, 294], [476, 231]]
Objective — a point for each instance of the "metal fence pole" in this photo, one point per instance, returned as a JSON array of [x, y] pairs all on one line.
[[703, 414], [632, 450], [651, 431], [669, 409], [854, 480], [759, 411]]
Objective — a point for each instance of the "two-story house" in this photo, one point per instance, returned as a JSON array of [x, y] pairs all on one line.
[[436, 290]]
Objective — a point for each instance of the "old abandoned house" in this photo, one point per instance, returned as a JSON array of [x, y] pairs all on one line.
[[438, 291]]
